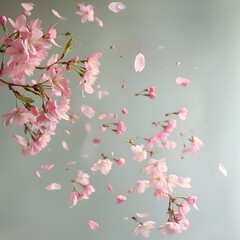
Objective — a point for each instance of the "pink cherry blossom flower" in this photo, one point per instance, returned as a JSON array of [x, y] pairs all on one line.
[[159, 193], [121, 199], [19, 116], [144, 228], [102, 165], [56, 14], [93, 225], [139, 63], [182, 81], [52, 34], [140, 186], [184, 182], [87, 111], [82, 178], [92, 64], [138, 153], [171, 182], [53, 186], [155, 165], [116, 6], [170, 228], [191, 200], [222, 169], [17, 51], [196, 144], [86, 12], [121, 128], [182, 113]]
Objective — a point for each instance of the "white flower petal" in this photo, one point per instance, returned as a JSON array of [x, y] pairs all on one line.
[[116, 6], [222, 169], [139, 63]]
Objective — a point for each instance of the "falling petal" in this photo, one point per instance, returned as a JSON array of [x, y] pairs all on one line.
[[142, 215], [93, 225], [222, 169], [65, 146], [56, 14], [96, 140], [65, 132], [53, 186], [71, 163], [99, 22], [125, 218], [102, 94], [87, 111], [107, 116], [116, 6], [48, 167], [121, 199], [27, 6], [182, 81], [84, 155], [139, 63], [38, 174], [124, 111], [110, 187], [88, 127]]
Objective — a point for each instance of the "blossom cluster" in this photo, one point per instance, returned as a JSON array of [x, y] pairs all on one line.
[[26, 48]]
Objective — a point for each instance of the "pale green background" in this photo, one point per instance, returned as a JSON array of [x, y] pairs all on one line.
[[204, 36]]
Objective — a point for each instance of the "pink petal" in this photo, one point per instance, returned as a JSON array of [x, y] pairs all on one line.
[[107, 116], [87, 111], [55, 13], [99, 22], [27, 6], [93, 225], [96, 140], [124, 111], [65, 146], [116, 7], [38, 174], [71, 163], [142, 215], [53, 186], [222, 169], [74, 201], [102, 94], [48, 167], [88, 127], [121, 199], [110, 187], [182, 81], [65, 132], [139, 63]]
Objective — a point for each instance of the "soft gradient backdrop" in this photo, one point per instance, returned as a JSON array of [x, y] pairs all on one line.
[[204, 36]]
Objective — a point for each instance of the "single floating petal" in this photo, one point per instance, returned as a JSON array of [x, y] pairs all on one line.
[[99, 22], [116, 6], [182, 81], [65, 146], [222, 169], [48, 167], [139, 63], [56, 14], [87, 111], [142, 215], [53, 186], [93, 225], [121, 199], [38, 174], [110, 187], [27, 6]]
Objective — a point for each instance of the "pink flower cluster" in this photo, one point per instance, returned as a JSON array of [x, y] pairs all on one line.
[[149, 92], [76, 195], [26, 48]]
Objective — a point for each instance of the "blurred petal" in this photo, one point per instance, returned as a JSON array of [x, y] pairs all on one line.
[[87, 111], [38, 174], [110, 187], [93, 225], [121, 199], [116, 7], [222, 169], [99, 22], [53, 186], [48, 167], [142, 215], [139, 63], [56, 14], [65, 146], [182, 81]]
